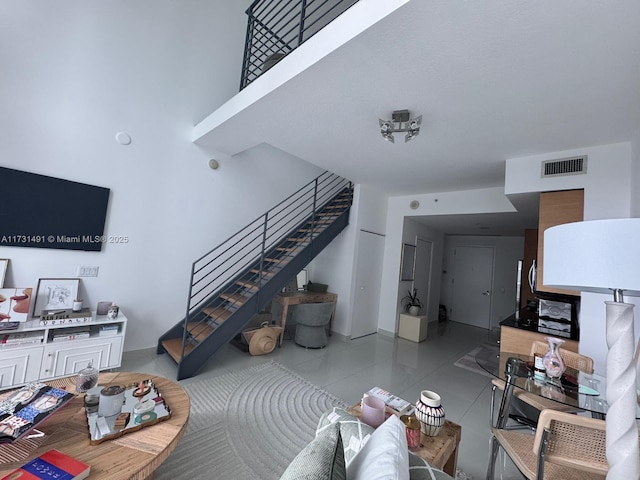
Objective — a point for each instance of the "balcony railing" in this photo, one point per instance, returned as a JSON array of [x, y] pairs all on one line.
[[277, 27]]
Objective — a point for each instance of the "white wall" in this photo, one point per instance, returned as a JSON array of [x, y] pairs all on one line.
[[508, 250], [607, 192], [410, 232], [74, 74], [489, 200], [336, 264]]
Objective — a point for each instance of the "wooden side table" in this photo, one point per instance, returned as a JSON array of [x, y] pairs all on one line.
[[440, 451]]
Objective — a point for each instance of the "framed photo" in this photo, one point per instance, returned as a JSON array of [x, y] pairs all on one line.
[[408, 262], [55, 294], [4, 265]]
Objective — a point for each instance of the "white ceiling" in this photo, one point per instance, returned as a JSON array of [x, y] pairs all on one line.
[[492, 79]]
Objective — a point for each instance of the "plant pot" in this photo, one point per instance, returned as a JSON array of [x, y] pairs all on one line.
[[414, 310]]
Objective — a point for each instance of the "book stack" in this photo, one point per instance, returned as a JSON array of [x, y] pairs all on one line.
[[71, 334], [108, 330], [52, 464], [395, 403], [22, 338]]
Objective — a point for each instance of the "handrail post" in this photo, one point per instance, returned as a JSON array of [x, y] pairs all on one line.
[[313, 214], [303, 13], [187, 314], [262, 253]]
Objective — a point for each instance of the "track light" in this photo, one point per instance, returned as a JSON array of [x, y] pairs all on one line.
[[400, 122]]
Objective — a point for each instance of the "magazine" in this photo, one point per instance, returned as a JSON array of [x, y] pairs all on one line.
[[392, 401], [28, 406]]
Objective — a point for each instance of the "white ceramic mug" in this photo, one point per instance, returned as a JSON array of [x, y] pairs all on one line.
[[373, 410]]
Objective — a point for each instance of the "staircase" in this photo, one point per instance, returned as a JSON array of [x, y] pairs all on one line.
[[234, 281]]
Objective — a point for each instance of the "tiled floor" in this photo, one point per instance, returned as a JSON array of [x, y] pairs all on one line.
[[347, 369]]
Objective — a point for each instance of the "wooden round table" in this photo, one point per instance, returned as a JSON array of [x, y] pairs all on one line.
[[132, 456]]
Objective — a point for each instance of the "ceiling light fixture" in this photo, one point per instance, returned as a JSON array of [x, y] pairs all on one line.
[[400, 122]]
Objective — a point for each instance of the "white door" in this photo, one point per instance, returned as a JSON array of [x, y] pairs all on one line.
[[422, 272], [472, 286], [368, 277]]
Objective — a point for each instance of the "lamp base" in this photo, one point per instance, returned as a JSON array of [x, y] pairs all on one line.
[[622, 432]]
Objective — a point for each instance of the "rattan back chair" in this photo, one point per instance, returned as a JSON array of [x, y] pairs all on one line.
[[565, 446]]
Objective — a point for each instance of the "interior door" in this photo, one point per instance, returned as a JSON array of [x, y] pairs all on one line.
[[422, 272], [368, 278], [472, 285]]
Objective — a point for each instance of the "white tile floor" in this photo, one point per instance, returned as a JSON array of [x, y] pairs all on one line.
[[347, 369]]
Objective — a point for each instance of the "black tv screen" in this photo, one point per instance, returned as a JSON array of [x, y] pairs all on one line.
[[47, 212]]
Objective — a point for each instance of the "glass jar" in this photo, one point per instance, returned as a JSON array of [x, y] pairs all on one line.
[[87, 378]]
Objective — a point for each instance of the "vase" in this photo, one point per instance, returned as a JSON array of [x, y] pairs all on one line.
[[553, 363], [414, 310], [430, 413]]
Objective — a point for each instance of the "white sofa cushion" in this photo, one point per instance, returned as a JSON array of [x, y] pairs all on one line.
[[385, 456]]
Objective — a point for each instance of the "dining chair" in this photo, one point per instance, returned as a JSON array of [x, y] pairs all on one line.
[[532, 403], [565, 446]]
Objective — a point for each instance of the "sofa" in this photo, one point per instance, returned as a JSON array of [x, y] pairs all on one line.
[[345, 448]]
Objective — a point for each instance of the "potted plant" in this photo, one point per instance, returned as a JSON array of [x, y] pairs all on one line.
[[412, 303]]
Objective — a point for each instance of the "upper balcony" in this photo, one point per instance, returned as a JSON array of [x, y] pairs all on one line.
[[297, 35]]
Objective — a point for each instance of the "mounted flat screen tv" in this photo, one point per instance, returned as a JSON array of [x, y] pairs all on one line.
[[47, 212]]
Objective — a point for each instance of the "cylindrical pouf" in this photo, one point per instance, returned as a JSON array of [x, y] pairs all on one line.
[[430, 413]]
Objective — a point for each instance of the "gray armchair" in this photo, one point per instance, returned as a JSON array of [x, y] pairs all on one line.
[[311, 320]]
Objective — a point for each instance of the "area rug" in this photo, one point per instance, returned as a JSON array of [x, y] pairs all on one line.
[[485, 351], [248, 424]]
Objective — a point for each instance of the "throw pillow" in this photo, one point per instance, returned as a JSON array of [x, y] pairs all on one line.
[[354, 433], [321, 459], [385, 456]]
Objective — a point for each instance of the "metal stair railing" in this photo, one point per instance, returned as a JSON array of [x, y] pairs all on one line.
[[256, 249], [277, 27]]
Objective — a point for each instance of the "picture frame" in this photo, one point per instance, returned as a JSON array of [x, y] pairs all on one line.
[[55, 294], [4, 266], [407, 263]]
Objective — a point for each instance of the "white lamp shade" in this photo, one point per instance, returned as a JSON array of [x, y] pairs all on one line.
[[594, 256]]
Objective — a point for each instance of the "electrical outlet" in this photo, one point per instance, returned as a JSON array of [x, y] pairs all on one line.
[[88, 271]]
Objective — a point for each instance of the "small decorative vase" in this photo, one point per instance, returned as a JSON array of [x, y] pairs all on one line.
[[552, 360], [414, 310], [430, 413]]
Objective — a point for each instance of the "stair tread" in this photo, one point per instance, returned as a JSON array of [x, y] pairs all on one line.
[[218, 314], [288, 249], [248, 284], [173, 346], [199, 330], [265, 273], [276, 260], [234, 297]]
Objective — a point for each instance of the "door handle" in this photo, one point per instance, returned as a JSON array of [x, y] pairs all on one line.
[[486, 293]]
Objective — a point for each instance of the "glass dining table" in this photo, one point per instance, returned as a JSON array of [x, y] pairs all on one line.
[[576, 389]]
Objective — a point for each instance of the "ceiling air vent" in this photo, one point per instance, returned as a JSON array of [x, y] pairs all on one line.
[[564, 166]]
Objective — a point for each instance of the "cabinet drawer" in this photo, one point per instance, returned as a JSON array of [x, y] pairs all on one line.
[[67, 358], [19, 365]]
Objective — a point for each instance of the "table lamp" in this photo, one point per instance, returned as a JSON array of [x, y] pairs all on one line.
[[603, 256]]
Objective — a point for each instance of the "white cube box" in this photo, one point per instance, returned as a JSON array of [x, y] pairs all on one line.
[[413, 327]]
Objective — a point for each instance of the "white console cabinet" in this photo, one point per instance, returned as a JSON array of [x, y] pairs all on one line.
[[49, 359]]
